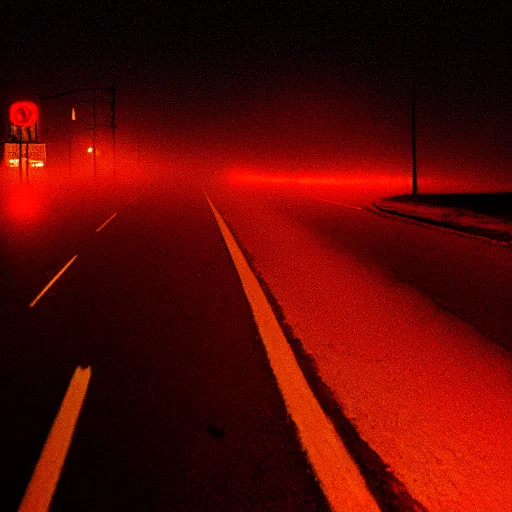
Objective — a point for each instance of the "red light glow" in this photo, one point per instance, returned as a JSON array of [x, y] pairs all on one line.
[[354, 186], [24, 113], [316, 179], [24, 205]]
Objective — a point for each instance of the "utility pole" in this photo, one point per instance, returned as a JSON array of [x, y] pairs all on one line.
[[26, 166], [413, 137], [94, 132], [95, 124], [20, 131], [113, 127]]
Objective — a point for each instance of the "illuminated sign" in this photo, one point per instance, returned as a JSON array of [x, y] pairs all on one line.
[[24, 113], [36, 154]]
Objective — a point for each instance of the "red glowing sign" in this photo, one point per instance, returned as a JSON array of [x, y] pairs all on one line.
[[24, 113]]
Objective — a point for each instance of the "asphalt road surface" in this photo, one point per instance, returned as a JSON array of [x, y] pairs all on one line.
[[375, 300], [182, 410], [469, 276]]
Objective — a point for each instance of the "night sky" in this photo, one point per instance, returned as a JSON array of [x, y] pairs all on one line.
[[281, 86]]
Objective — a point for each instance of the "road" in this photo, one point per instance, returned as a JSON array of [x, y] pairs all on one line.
[[408, 326], [182, 406], [468, 276], [182, 411]]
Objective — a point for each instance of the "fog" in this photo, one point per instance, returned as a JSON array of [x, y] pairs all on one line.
[[202, 92]]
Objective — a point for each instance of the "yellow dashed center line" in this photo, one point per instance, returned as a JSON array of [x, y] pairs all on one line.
[[338, 475], [105, 223], [41, 487], [47, 287]]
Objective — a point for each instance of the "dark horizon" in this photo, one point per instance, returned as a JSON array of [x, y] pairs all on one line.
[[312, 88]]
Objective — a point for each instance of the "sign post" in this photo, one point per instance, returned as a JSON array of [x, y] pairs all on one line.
[[23, 114]]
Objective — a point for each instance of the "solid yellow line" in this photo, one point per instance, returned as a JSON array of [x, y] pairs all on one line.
[[41, 487], [47, 287], [105, 223], [338, 475]]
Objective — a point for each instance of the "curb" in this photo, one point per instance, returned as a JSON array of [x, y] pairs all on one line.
[[501, 237]]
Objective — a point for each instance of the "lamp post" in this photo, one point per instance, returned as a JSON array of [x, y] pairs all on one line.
[[413, 137]]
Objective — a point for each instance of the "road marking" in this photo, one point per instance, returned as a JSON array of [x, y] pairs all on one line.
[[41, 487], [131, 200], [105, 223], [339, 204], [339, 477], [47, 287]]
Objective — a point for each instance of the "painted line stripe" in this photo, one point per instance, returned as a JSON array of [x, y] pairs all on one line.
[[47, 287], [105, 223], [339, 477], [339, 204], [41, 487], [131, 200]]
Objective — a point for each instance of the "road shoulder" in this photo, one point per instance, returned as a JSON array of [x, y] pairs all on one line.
[[465, 216]]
